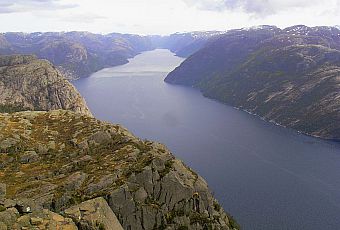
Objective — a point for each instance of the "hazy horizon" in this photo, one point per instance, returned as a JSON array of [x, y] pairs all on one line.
[[161, 17], [177, 32]]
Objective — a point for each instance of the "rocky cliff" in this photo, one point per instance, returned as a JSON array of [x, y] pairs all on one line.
[[290, 77], [28, 83], [59, 161]]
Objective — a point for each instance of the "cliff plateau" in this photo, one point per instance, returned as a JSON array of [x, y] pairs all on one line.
[[58, 159]]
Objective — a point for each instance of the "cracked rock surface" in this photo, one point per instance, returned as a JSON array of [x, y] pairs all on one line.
[[60, 159]]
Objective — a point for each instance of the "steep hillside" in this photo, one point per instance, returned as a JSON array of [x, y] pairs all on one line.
[[77, 54], [28, 83], [56, 160], [290, 76]]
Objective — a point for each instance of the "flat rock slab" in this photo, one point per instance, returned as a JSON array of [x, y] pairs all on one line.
[[93, 214]]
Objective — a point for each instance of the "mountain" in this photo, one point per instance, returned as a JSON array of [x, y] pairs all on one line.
[[28, 83], [290, 76], [79, 54], [76, 54], [184, 44], [5, 46], [55, 165]]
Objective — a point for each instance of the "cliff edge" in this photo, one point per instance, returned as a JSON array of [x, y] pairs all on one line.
[[60, 158]]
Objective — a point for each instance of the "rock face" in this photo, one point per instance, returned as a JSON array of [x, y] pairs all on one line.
[[94, 213], [28, 83], [13, 217], [77, 158], [290, 77]]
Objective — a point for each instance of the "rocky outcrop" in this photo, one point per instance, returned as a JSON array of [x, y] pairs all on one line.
[[94, 214], [19, 214], [60, 159], [289, 77], [28, 83]]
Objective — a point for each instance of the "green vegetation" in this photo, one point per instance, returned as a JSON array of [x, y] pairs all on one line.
[[183, 228], [168, 167], [11, 108], [217, 206], [233, 223], [172, 214], [202, 220], [100, 226], [2, 208]]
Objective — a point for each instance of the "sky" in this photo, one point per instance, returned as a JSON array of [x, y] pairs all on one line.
[[162, 16]]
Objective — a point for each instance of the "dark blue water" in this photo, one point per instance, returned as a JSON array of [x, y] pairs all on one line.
[[268, 177]]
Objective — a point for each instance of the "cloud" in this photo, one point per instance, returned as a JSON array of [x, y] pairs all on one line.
[[256, 7], [162, 16], [13, 6], [83, 18]]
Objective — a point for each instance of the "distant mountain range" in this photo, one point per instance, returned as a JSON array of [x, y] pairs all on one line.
[[184, 44], [78, 54], [290, 76]]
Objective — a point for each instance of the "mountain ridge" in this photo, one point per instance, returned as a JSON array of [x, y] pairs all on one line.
[[79, 54], [289, 77]]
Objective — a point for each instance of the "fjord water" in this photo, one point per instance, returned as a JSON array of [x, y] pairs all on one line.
[[267, 176]]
